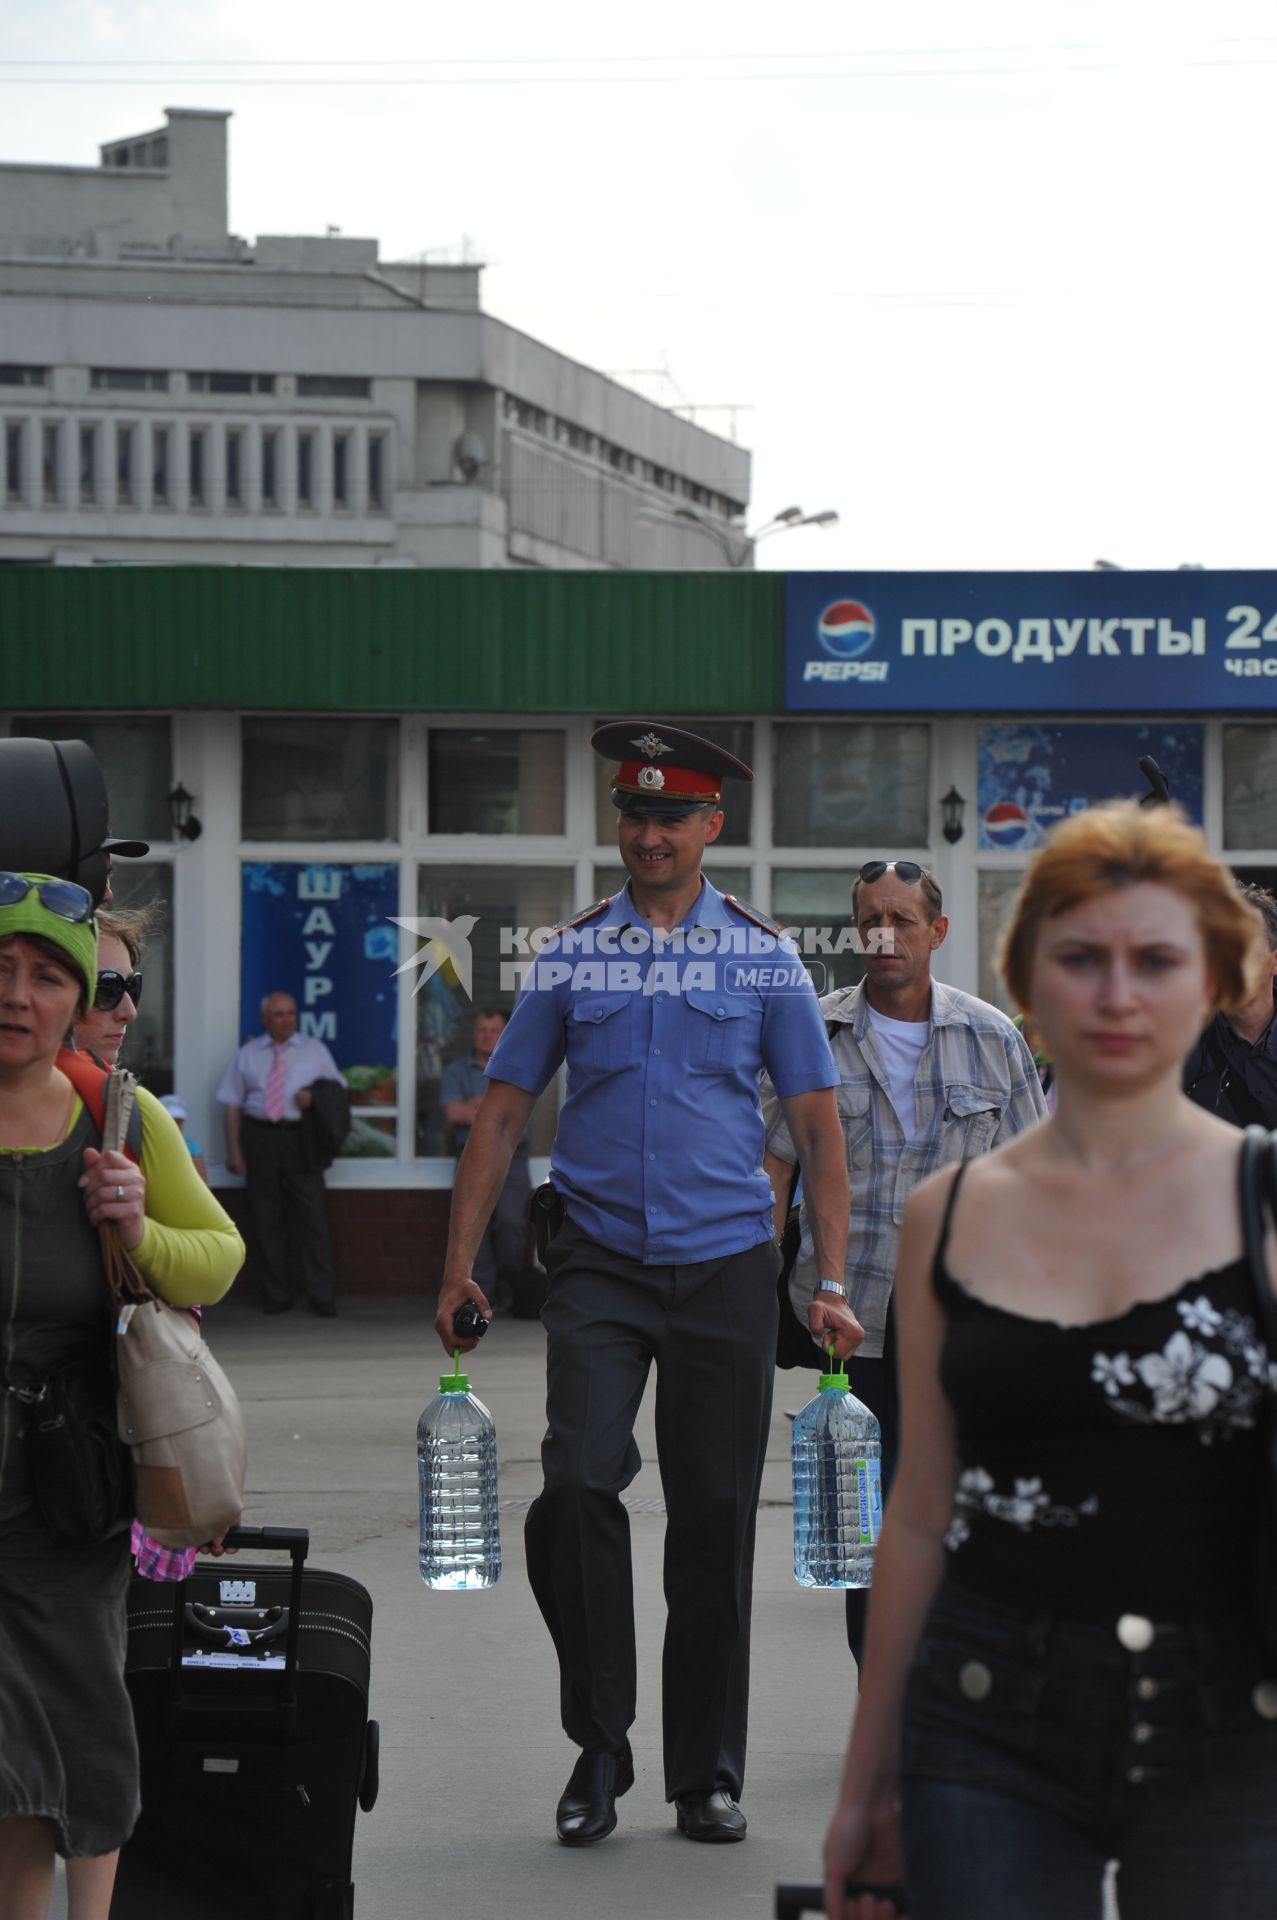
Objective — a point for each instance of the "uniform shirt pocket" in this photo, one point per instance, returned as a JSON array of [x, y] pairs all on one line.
[[600, 1031], [716, 1029]]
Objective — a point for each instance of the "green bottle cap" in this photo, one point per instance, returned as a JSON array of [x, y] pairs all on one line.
[[836, 1379], [456, 1381]]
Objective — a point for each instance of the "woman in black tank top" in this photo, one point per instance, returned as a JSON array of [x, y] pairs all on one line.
[[1062, 1668]]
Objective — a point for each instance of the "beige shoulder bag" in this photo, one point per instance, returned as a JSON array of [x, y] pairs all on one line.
[[178, 1413]]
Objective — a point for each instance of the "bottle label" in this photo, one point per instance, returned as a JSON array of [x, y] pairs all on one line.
[[869, 1500]]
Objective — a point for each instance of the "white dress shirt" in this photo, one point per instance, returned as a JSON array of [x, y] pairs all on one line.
[[243, 1084]]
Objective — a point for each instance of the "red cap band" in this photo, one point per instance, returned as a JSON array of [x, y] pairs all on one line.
[[671, 783]]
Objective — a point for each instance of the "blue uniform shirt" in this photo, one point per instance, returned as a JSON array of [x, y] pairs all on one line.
[[659, 1148]]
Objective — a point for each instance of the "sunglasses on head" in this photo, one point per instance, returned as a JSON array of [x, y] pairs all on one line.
[[62, 898], [907, 870], [112, 987]]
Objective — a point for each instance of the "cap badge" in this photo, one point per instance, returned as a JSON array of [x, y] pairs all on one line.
[[651, 777], [651, 746]]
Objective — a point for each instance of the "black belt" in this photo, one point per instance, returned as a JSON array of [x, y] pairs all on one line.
[[255, 1121]]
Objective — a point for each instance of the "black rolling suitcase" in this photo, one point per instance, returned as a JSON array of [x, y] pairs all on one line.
[[250, 1692]]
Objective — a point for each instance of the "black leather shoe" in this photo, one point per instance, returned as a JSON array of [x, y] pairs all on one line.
[[587, 1810], [326, 1309], [709, 1816]]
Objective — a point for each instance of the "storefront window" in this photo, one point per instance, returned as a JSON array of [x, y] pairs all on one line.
[[148, 1045], [324, 932], [505, 905], [1033, 773], [1250, 786], [320, 779], [734, 737], [136, 761], [506, 781], [998, 889], [851, 784], [816, 902]]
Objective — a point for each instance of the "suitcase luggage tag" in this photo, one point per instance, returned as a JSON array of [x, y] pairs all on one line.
[[207, 1626]]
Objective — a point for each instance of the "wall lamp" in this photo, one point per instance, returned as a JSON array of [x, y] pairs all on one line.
[[953, 806], [185, 825]]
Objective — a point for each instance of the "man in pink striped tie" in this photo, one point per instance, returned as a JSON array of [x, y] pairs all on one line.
[[265, 1090]]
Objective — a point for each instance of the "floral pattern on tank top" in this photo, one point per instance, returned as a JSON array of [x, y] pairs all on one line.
[[1028, 1505], [1214, 1372]]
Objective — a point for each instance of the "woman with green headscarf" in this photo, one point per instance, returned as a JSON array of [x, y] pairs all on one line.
[[68, 1756]]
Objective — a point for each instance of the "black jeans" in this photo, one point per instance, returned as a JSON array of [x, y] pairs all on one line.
[[1035, 1748], [710, 1327]]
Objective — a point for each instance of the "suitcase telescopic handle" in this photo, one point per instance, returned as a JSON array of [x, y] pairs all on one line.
[[295, 1542], [291, 1540]]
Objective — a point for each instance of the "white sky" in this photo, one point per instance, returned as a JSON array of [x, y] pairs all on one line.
[[995, 281]]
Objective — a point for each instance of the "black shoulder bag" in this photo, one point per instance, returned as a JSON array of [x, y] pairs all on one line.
[[1259, 1210], [794, 1344], [81, 1475]]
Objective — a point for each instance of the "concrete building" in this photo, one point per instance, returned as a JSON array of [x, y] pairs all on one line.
[[172, 394]]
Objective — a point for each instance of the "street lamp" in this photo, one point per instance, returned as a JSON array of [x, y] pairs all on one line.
[[739, 549]]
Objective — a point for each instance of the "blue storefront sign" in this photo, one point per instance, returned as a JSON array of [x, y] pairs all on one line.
[[1183, 642], [324, 934], [1032, 774]]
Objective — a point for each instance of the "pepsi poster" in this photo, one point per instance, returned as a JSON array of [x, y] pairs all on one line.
[[1182, 642], [1032, 775], [323, 933]]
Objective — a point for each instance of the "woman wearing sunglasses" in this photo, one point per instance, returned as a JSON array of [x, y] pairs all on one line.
[[118, 992], [1064, 1654], [68, 1754]]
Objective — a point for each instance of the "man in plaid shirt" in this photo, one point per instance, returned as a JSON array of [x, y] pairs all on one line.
[[928, 1076]]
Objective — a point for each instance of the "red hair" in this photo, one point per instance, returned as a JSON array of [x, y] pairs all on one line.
[[1121, 846]]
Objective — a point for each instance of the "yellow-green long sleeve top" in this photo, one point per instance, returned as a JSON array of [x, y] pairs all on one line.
[[190, 1249]]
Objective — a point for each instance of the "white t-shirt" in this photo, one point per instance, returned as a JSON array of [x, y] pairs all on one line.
[[901, 1043]]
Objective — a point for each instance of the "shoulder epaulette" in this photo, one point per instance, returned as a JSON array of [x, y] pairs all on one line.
[[586, 913], [751, 913]]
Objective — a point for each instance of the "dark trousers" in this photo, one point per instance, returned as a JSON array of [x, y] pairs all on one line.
[[875, 1382], [285, 1202], [503, 1250], [711, 1329]]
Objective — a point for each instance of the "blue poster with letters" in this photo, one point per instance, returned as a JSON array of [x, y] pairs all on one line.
[[1032, 773], [1185, 642], [323, 933]]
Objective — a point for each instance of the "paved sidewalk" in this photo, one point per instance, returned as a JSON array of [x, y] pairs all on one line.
[[465, 1685]]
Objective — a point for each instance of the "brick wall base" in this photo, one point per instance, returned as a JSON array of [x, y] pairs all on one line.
[[385, 1240]]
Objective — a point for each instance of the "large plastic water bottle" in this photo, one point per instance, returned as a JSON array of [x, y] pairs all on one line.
[[837, 1458], [457, 1482]]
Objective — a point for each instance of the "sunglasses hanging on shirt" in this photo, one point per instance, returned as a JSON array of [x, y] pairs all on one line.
[[112, 987]]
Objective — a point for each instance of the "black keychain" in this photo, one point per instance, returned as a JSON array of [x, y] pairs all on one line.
[[468, 1323]]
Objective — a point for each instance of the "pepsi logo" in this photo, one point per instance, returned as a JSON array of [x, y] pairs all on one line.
[[846, 629], [1006, 824]]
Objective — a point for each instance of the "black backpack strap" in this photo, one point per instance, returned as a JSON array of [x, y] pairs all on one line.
[[1258, 1193]]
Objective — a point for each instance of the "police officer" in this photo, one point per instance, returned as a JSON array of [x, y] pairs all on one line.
[[666, 1002]]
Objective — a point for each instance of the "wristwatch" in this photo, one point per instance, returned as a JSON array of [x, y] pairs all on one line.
[[831, 1286]]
